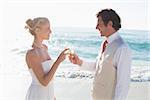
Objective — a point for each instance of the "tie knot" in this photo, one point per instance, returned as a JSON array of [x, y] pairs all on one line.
[[104, 45], [105, 42]]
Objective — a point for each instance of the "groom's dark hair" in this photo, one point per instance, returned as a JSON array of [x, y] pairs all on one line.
[[110, 15]]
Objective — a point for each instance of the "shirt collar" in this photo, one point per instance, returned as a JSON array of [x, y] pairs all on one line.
[[112, 37]]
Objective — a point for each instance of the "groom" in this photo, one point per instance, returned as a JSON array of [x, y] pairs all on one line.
[[112, 66]]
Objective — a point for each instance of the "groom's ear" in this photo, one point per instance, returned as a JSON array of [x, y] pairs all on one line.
[[110, 24]]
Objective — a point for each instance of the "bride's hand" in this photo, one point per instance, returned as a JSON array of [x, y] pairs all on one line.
[[62, 56]]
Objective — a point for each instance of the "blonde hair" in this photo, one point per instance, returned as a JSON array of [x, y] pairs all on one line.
[[34, 24]]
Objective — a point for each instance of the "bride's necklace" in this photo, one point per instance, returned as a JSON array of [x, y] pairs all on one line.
[[38, 46]]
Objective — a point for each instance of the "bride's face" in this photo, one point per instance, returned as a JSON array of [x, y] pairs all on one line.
[[45, 31]]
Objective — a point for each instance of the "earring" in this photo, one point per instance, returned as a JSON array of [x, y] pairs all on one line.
[[37, 29]]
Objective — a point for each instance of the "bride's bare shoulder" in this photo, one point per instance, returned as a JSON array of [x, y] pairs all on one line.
[[32, 53], [32, 58]]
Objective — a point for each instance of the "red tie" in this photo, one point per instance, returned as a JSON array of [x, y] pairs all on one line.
[[104, 45]]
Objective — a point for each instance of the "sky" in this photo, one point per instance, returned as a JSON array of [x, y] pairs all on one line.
[[75, 13]]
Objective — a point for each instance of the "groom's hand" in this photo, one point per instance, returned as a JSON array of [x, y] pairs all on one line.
[[75, 59]]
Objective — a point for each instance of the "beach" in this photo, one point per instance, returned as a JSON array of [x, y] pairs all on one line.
[[15, 80], [80, 90], [15, 88]]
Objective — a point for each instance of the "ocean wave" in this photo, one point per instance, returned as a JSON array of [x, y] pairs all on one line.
[[75, 74], [137, 75]]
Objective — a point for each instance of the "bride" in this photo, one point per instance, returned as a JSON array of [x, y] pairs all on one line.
[[41, 67]]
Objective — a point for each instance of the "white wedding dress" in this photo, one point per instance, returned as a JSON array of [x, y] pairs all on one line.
[[38, 92]]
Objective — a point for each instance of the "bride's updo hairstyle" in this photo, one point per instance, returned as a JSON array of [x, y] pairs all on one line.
[[34, 24]]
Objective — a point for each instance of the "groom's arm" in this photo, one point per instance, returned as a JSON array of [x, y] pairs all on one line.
[[123, 65], [83, 65], [88, 66]]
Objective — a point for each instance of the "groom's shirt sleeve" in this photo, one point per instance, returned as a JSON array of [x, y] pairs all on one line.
[[88, 66], [122, 62]]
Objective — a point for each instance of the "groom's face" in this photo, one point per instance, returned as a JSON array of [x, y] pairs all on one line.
[[101, 27]]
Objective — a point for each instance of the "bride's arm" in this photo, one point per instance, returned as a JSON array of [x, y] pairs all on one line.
[[36, 65]]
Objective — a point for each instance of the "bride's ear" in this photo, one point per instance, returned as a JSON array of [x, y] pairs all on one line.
[[37, 30]]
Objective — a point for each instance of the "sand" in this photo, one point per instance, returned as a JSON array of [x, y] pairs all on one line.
[[14, 87]]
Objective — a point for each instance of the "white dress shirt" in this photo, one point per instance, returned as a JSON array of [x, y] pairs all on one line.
[[122, 62]]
